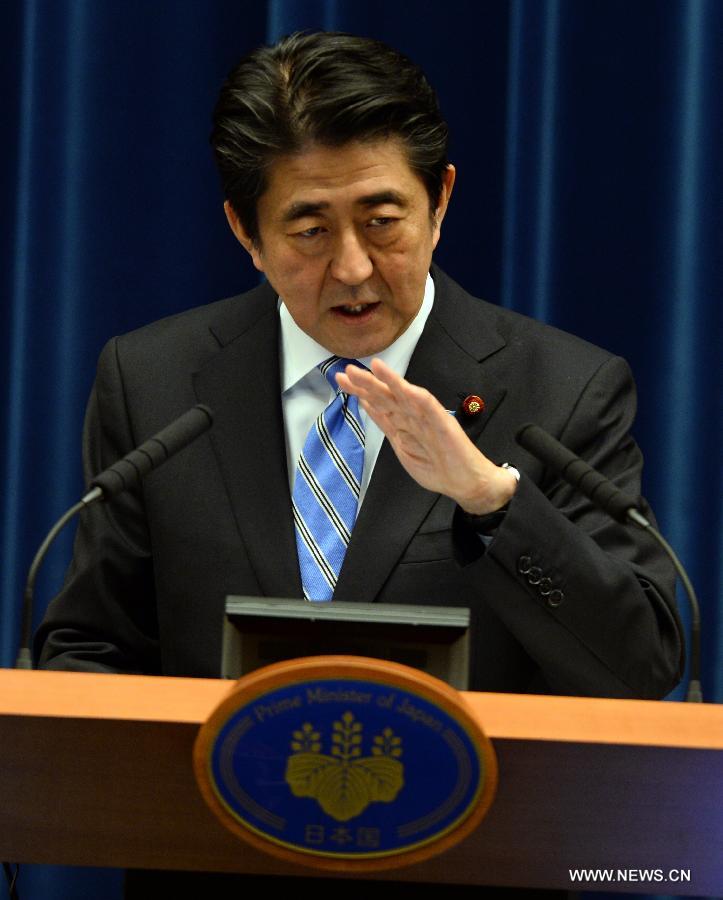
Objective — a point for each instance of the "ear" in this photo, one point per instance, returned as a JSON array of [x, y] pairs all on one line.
[[242, 236], [448, 176]]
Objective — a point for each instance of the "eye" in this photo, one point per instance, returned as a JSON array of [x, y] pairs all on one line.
[[310, 232], [381, 221]]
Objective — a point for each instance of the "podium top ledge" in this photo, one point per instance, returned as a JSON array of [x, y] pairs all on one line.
[[80, 695]]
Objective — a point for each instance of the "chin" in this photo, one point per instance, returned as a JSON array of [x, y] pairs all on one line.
[[359, 350], [357, 346]]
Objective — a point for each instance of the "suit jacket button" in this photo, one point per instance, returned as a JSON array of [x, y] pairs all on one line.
[[545, 586], [534, 576], [523, 565], [555, 598]]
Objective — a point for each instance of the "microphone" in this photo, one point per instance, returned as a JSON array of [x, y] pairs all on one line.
[[580, 475], [623, 508], [121, 476], [126, 474]]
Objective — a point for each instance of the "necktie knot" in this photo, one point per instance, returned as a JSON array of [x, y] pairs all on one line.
[[331, 367]]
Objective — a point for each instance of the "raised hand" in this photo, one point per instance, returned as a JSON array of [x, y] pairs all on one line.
[[428, 441]]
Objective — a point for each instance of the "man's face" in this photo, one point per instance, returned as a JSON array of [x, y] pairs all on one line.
[[346, 240]]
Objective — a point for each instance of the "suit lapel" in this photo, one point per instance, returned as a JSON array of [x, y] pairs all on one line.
[[241, 384], [448, 360]]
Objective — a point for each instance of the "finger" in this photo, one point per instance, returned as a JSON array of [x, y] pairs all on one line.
[[421, 401], [367, 387], [350, 387], [362, 383], [357, 374], [384, 420], [357, 381], [388, 393], [388, 376], [383, 406]]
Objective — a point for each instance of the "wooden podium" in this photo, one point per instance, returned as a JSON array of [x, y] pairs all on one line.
[[97, 770]]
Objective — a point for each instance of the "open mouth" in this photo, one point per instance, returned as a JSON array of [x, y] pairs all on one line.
[[355, 311]]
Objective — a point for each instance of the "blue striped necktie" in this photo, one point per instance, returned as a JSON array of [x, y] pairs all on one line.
[[326, 488]]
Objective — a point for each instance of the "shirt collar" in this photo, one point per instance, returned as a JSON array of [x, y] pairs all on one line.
[[300, 354]]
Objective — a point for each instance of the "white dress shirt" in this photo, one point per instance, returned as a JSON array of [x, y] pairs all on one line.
[[305, 393]]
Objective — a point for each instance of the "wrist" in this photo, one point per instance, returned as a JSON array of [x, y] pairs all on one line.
[[492, 494]]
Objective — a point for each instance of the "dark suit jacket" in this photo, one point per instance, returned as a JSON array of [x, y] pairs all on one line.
[[146, 588]]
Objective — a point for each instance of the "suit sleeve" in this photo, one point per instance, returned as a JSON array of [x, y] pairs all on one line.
[[591, 600], [104, 619]]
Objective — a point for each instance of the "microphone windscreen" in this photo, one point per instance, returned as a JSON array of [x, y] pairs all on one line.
[[127, 472], [576, 472]]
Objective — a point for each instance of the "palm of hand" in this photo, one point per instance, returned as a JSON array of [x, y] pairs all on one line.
[[428, 441]]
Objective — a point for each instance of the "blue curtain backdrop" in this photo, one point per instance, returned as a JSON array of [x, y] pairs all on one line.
[[588, 140]]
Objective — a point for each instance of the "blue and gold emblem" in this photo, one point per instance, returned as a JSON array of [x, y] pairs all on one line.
[[360, 769], [344, 782]]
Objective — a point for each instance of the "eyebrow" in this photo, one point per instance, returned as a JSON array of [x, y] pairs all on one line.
[[381, 197], [302, 209]]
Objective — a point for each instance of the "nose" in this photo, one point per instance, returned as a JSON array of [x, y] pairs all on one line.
[[350, 263]]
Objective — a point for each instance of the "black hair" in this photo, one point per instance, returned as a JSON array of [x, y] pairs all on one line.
[[328, 88]]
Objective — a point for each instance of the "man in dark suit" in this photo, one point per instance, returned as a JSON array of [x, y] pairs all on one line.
[[337, 182], [145, 592]]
